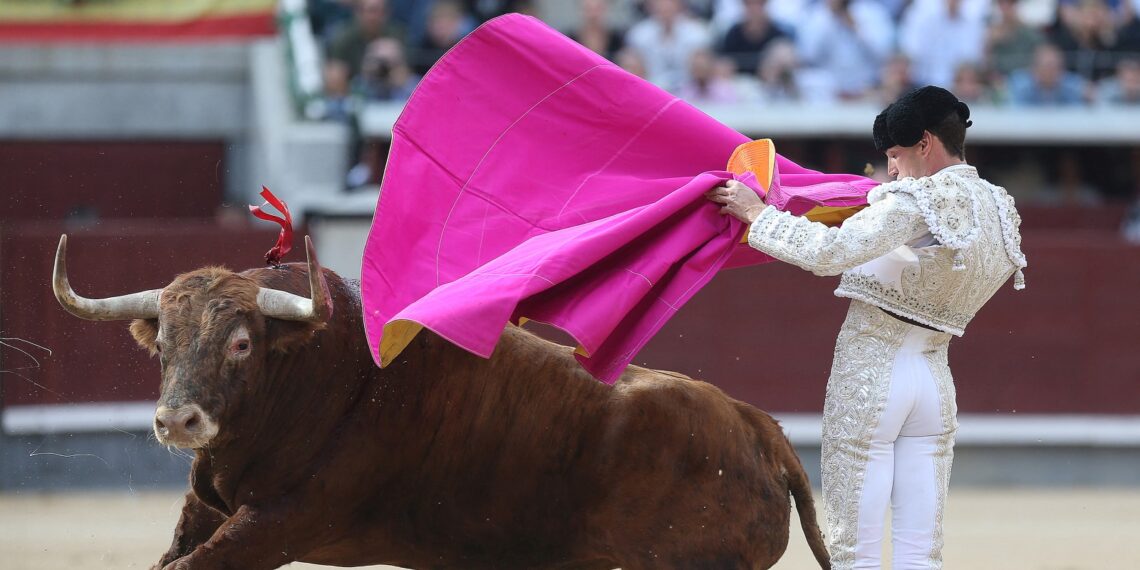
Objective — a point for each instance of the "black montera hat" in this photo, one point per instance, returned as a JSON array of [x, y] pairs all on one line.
[[903, 122]]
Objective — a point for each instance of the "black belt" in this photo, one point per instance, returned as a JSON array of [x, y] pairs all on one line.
[[909, 321]]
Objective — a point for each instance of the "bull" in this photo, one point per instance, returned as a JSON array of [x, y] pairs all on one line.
[[306, 451]]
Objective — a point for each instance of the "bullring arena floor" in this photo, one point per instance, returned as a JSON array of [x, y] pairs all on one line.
[[1016, 529]]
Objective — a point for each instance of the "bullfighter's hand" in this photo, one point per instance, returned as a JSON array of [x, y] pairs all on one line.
[[738, 200]]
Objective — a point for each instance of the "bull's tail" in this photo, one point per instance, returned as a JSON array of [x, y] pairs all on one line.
[[800, 487], [784, 456]]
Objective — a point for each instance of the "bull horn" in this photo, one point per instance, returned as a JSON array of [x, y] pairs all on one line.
[[282, 305], [141, 305]]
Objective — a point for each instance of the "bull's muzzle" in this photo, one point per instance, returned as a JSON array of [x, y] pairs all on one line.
[[185, 426]]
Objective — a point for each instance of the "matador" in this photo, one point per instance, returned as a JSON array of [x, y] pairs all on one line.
[[918, 263]]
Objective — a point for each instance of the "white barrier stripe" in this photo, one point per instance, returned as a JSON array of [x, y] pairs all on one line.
[[802, 429], [78, 418], [1007, 429], [1005, 125]]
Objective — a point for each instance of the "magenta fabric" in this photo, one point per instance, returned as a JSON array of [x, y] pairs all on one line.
[[529, 177]]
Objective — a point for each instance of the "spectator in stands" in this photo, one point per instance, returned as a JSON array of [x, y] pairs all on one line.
[[411, 16], [630, 60], [1128, 37], [724, 14], [445, 27], [484, 10], [1069, 10], [371, 23], [1047, 82], [338, 104], [709, 80], [1124, 88], [666, 40], [938, 36], [970, 85], [746, 40], [640, 9], [528, 7], [327, 17], [1009, 42], [845, 42], [595, 31], [788, 14], [895, 81], [1086, 31], [778, 73], [385, 74]]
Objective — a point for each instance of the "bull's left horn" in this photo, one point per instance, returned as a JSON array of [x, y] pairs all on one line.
[[141, 305], [290, 307]]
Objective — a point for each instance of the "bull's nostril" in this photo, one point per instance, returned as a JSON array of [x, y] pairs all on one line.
[[180, 425]]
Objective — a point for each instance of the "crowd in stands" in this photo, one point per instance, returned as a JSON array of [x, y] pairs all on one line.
[[1068, 52], [377, 50], [814, 52]]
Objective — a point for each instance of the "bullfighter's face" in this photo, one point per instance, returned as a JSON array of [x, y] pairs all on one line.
[[209, 338], [909, 161]]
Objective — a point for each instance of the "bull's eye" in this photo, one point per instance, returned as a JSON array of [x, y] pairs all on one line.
[[240, 347], [239, 343]]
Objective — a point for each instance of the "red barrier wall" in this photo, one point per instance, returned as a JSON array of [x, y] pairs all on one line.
[[54, 180], [1069, 343]]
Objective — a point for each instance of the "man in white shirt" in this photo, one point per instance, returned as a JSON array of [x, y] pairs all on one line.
[[666, 41], [846, 42], [940, 35]]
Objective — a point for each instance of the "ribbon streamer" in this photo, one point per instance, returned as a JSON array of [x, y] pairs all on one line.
[[285, 238]]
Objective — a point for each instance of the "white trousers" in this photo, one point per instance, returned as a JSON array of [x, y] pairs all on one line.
[[889, 426]]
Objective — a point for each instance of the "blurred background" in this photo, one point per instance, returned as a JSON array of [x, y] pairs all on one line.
[[143, 128]]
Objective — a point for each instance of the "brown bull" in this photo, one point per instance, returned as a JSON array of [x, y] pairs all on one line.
[[305, 450]]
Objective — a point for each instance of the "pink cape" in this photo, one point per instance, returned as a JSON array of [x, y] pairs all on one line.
[[530, 178]]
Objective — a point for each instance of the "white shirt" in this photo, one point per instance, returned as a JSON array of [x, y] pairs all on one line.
[[937, 44], [850, 56], [667, 56]]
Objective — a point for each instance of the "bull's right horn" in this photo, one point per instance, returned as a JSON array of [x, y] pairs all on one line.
[[141, 305], [317, 308]]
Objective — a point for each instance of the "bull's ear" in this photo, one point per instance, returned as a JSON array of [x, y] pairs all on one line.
[[145, 332], [288, 336]]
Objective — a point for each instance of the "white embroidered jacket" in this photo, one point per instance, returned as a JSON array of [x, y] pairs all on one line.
[[931, 249]]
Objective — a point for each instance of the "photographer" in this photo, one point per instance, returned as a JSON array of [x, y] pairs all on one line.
[[385, 74]]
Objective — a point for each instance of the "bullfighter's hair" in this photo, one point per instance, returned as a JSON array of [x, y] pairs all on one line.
[[903, 122]]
